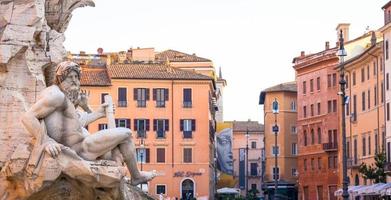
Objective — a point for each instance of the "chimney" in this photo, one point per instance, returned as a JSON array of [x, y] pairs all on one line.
[[327, 45], [345, 31], [302, 54]]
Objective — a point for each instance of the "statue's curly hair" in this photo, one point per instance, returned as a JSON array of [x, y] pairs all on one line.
[[63, 69]]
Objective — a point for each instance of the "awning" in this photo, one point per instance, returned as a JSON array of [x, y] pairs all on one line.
[[228, 191], [367, 190]]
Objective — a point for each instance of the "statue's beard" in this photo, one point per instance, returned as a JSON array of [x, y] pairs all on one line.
[[72, 95]]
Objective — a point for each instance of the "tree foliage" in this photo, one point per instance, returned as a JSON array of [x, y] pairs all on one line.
[[375, 171]]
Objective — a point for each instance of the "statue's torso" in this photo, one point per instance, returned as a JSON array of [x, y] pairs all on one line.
[[63, 125]]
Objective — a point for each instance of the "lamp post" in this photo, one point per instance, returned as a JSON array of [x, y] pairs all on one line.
[[341, 54], [247, 135], [275, 110]]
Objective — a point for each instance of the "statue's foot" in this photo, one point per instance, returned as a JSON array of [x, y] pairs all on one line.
[[143, 178]]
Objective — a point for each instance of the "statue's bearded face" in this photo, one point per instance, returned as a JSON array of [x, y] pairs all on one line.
[[71, 86]]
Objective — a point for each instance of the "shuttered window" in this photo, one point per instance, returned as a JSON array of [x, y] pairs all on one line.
[[187, 155]]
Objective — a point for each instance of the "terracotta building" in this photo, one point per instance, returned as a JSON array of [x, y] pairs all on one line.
[[171, 114], [317, 123], [365, 129], [248, 135], [386, 62], [287, 140]]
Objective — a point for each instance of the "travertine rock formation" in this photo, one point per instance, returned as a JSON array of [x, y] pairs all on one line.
[[31, 44]]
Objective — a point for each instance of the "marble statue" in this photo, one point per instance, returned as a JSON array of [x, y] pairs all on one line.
[[56, 106]]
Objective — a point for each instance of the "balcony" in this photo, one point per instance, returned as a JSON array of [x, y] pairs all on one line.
[[353, 163], [330, 146]]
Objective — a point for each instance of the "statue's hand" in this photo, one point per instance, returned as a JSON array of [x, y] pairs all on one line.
[[83, 99], [102, 108], [53, 149]]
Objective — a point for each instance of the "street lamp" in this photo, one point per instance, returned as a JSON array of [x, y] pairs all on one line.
[[275, 110], [341, 54], [247, 135]]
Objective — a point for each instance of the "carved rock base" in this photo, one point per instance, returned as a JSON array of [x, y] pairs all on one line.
[[66, 188]]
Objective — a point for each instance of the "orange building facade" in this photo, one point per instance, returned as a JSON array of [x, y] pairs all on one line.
[[317, 124], [249, 136], [365, 128], [171, 114], [287, 141]]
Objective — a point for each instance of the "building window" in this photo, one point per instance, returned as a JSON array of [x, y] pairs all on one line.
[[305, 138], [312, 110], [294, 172], [386, 49], [304, 111], [328, 80], [364, 146], [160, 126], [376, 140], [355, 155], [160, 155], [254, 169], [362, 74], [312, 136], [312, 164], [369, 99], [354, 78], [294, 149], [276, 173], [305, 164], [334, 105], [187, 126], [369, 145], [160, 189], [293, 106], [388, 111], [187, 98], [334, 79], [187, 155], [141, 95], [319, 163], [160, 95], [319, 192], [354, 117], [276, 150], [293, 130], [102, 126], [304, 87], [329, 106], [319, 136], [368, 72], [102, 97], [375, 95], [387, 81], [347, 81], [312, 85], [125, 123], [318, 108], [306, 193], [318, 83], [374, 68], [122, 99], [141, 126], [253, 145], [382, 92], [363, 101], [142, 155], [330, 162]]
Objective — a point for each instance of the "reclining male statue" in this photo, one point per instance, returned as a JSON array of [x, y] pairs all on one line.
[[57, 106]]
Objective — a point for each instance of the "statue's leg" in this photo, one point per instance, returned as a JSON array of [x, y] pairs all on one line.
[[103, 141]]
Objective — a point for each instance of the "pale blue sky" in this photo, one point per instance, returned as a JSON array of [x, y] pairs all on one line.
[[253, 41]]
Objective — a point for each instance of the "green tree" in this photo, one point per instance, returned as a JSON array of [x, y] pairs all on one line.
[[375, 171]]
